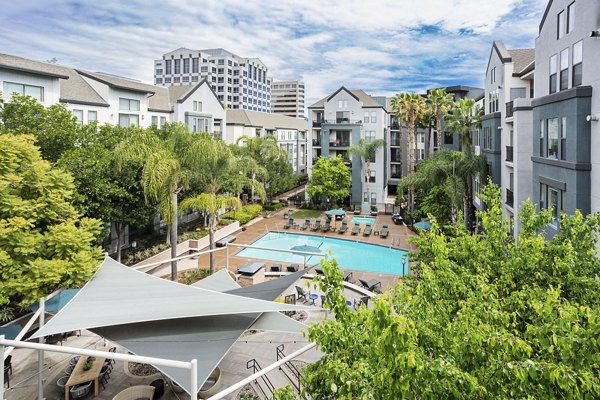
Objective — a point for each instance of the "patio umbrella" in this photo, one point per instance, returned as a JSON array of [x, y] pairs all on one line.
[[57, 302], [307, 248], [425, 225], [335, 213]]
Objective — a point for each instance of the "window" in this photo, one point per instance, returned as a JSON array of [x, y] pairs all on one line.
[[186, 65], [477, 185], [177, 66], [168, 80], [553, 61], [194, 79], [126, 120], [553, 138], [449, 139], [37, 92], [487, 137], [553, 202], [373, 198], [195, 63], [129, 104], [342, 117], [367, 119], [154, 120], [369, 136], [493, 75], [342, 103], [92, 116], [560, 25], [204, 68], [168, 67], [197, 106], [563, 138], [163, 121], [158, 81], [159, 71], [542, 148], [564, 69], [221, 62], [176, 79], [571, 17], [79, 115], [577, 63], [221, 70], [373, 117], [198, 124], [365, 197], [371, 176], [186, 79]]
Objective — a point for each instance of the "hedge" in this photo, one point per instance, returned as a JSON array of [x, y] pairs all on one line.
[[245, 214], [273, 207]]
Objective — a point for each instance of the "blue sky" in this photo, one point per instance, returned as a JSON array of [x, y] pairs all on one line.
[[381, 46]]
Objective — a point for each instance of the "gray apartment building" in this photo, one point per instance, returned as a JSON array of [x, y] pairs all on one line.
[[239, 82], [287, 98]]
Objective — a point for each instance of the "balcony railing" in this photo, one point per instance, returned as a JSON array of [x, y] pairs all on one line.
[[509, 153], [346, 121], [509, 109], [317, 124], [509, 197], [339, 143], [316, 142]]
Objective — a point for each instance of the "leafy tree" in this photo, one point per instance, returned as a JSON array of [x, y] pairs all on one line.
[[330, 179], [481, 317], [171, 156], [367, 151], [44, 244], [439, 103], [105, 192]]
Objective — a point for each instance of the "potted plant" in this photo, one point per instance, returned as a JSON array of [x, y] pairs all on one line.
[[88, 364]]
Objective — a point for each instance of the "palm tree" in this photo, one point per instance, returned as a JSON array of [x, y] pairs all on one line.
[[211, 204], [408, 107], [367, 151], [439, 102], [168, 156]]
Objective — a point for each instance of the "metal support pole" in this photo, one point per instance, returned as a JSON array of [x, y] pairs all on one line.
[[194, 379], [41, 352], [2, 375]]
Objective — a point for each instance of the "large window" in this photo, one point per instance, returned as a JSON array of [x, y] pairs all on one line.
[[577, 63], [560, 25], [194, 65], [37, 92], [199, 124], [342, 116], [129, 120], [553, 138], [177, 66], [553, 61], [487, 137], [571, 17], [168, 67], [129, 104], [564, 69], [186, 65], [92, 116], [79, 115], [563, 138]]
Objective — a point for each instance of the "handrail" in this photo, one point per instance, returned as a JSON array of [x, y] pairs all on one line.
[[295, 372], [255, 366]]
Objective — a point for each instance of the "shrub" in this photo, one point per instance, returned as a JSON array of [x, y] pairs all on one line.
[[194, 275], [273, 207], [245, 214]]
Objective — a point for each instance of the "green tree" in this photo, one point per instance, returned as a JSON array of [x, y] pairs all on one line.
[[367, 151], [44, 244], [105, 192], [439, 103], [330, 179], [171, 156], [481, 317]]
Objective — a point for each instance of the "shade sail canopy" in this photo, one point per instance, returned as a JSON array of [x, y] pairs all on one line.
[[220, 281], [307, 248], [118, 295], [206, 338]]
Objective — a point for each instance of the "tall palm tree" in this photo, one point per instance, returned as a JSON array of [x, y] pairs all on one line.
[[168, 156], [367, 151], [439, 102], [409, 107], [211, 204]]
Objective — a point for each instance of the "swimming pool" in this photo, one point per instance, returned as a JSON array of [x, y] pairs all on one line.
[[349, 255], [363, 220]]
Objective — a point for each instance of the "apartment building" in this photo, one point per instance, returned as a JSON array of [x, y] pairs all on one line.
[[287, 98], [339, 121], [505, 137], [290, 132], [566, 109], [239, 82]]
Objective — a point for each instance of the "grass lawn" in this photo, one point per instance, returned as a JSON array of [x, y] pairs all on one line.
[[303, 214]]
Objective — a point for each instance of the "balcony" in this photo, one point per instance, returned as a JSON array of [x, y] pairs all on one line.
[[509, 197], [316, 143], [345, 121], [509, 109], [317, 124], [339, 143], [509, 153]]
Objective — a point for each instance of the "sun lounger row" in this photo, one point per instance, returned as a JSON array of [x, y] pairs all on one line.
[[289, 268], [343, 228]]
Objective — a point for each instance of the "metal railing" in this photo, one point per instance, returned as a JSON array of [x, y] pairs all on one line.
[[255, 367], [509, 197], [317, 124], [316, 142], [343, 121], [509, 153], [509, 109], [340, 143], [296, 377]]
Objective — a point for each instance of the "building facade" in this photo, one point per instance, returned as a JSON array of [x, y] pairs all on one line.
[[240, 83], [287, 98], [290, 132], [341, 120]]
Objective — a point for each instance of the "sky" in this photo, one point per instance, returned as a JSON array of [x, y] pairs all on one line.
[[381, 46]]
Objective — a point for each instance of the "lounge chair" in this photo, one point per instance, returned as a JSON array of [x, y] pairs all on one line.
[[316, 226], [347, 275], [368, 229], [136, 392], [362, 301], [289, 224], [276, 268], [384, 231], [326, 227], [356, 229], [319, 271], [302, 293], [79, 391], [293, 268], [306, 224], [370, 284], [343, 228]]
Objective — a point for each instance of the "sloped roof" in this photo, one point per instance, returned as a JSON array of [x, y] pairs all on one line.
[[35, 67], [266, 120], [118, 82], [522, 58], [358, 94], [165, 97]]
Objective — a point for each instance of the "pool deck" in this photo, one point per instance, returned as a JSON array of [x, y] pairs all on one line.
[[398, 234]]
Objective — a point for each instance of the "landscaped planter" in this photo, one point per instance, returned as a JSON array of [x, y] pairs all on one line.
[[212, 384]]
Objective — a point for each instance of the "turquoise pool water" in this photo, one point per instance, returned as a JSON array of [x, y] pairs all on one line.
[[363, 220], [349, 254]]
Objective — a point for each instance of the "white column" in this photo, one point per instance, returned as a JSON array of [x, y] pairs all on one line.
[[194, 379], [41, 352], [2, 375]]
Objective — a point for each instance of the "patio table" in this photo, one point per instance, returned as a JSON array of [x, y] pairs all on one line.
[[251, 268], [80, 376]]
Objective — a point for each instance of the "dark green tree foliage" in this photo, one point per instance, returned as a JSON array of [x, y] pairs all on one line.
[[44, 243], [330, 179], [482, 317]]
